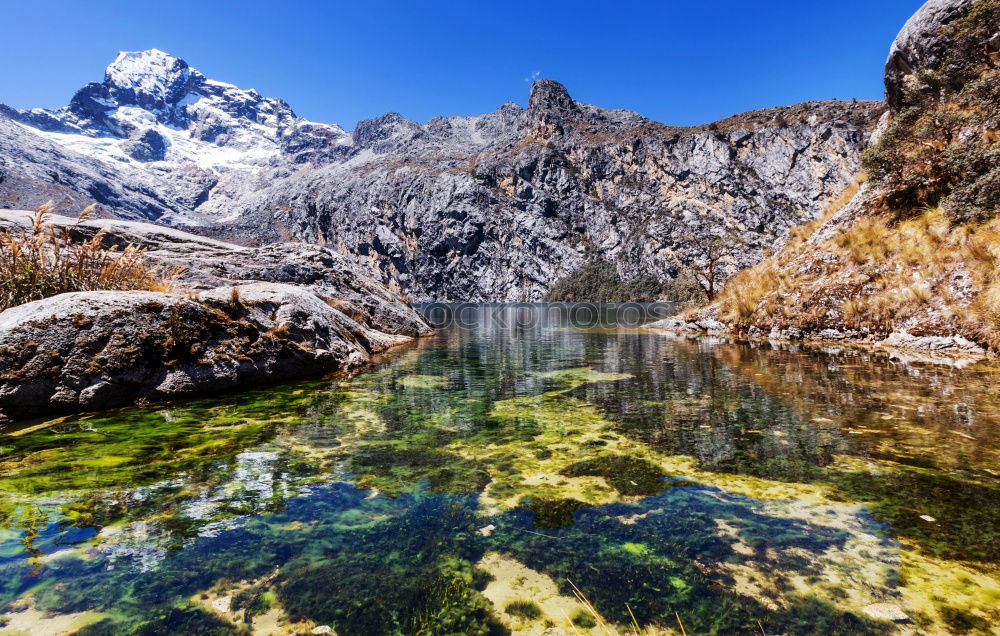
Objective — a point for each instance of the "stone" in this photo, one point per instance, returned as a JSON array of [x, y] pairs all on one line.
[[93, 350], [953, 343], [886, 612], [919, 45]]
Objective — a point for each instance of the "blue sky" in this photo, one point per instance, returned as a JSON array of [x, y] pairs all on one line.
[[679, 63]]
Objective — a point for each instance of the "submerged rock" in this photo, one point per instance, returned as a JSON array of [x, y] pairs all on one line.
[[885, 612]]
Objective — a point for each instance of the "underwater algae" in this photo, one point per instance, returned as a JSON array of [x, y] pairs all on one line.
[[688, 487]]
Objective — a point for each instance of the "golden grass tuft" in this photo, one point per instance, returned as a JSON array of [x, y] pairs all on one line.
[[877, 273], [44, 261]]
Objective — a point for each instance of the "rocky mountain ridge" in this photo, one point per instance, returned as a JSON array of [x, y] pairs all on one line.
[[493, 207], [912, 259]]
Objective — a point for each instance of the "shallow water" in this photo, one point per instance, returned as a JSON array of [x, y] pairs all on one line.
[[527, 453]]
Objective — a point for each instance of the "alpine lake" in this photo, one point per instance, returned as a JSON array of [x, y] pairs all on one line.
[[528, 469]]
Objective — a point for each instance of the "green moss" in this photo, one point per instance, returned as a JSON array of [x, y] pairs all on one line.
[[628, 475], [523, 609]]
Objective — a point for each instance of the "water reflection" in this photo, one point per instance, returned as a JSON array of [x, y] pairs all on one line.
[[728, 483]]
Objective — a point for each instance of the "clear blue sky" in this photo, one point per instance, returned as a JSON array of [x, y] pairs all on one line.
[[676, 62]]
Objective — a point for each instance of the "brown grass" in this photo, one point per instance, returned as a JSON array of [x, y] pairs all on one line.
[[879, 273], [44, 260]]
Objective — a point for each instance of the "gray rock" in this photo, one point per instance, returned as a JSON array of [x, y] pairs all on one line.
[[93, 350], [261, 315], [491, 207], [954, 344], [149, 146], [919, 45], [212, 263]]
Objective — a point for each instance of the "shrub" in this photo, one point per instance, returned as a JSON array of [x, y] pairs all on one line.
[[597, 281], [44, 260]]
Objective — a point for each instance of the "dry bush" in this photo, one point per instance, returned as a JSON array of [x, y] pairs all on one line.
[[883, 273], [867, 240], [744, 292], [44, 260]]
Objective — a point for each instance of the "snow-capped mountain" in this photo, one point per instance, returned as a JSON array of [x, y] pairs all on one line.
[[154, 113], [489, 207]]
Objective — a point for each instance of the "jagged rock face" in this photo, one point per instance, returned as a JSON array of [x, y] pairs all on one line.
[[919, 45], [194, 144], [491, 207], [498, 207]]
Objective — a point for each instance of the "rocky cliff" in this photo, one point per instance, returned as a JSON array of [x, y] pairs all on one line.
[[913, 258], [492, 207]]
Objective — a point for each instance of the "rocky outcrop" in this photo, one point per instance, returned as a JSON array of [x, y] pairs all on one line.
[[911, 260], [493, 207], [92, 350], [212, 263], [920, 45]]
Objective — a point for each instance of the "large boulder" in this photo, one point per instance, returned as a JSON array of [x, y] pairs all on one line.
[[210, 263], [91, 350], [920, 45]]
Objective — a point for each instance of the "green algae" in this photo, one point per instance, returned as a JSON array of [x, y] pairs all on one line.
[[584, 619], [630, 476], [523, 609], [578, 376], [589, 457], [391, 467], [552, 513]]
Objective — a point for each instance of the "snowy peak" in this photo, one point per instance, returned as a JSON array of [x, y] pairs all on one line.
[[154, 107], [150, 79]]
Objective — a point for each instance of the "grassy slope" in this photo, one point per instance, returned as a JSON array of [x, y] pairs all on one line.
[[917, 247]]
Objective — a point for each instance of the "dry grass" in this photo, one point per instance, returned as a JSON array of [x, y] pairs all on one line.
[[44, 260], [879, 274], [742, 296]]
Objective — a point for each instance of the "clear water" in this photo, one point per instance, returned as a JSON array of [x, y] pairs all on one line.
[[485, 479]]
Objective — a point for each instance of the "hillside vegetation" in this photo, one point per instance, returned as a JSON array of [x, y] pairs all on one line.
[[914, 244]]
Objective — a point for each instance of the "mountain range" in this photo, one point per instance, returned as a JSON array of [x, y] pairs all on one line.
[[494, 207]]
